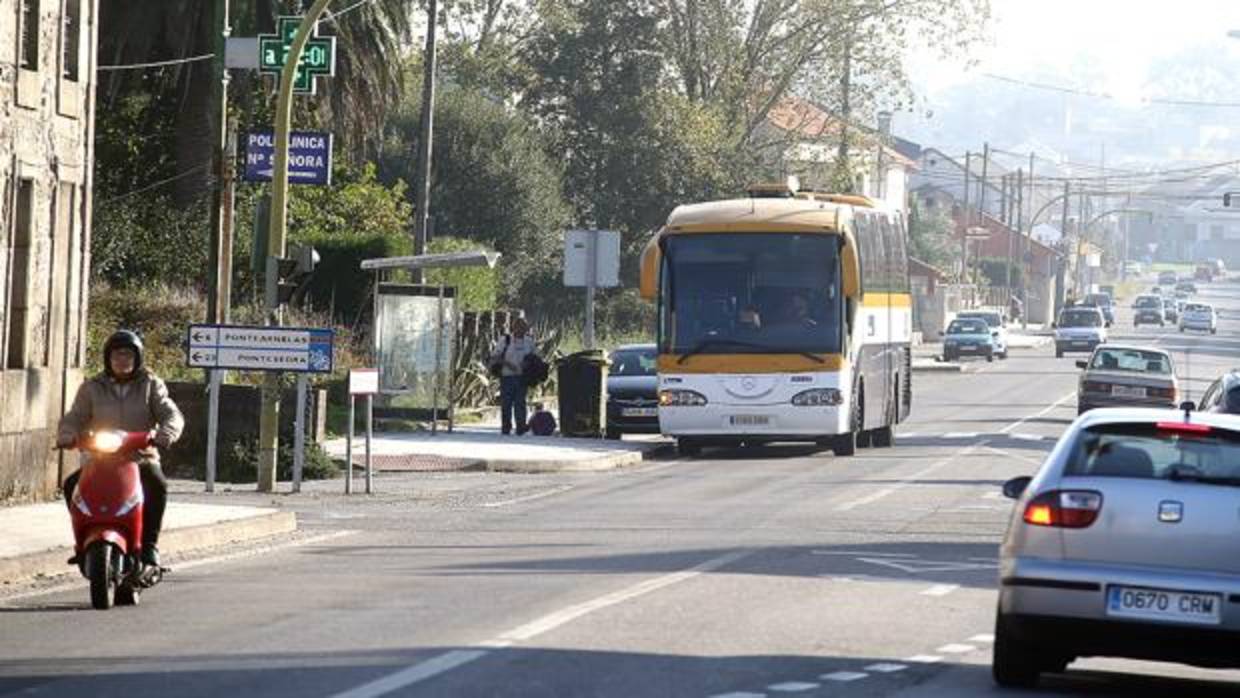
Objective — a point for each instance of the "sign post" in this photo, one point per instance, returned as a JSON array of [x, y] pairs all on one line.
[[269, 349], [362, 381], [592, 260]]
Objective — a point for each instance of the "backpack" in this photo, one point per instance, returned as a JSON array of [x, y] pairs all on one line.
[[534, 369], [542, 423]]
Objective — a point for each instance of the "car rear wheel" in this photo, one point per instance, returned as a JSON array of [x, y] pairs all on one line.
[[1014, 663], [613, 433], [688, 447]]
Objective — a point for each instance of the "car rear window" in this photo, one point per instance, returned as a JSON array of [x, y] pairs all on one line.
[[991, 319], [1080, 319], [1148, 302], [1163, 451], [633, 363], [1131, 360]]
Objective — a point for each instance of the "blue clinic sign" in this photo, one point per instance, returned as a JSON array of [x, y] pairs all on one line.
[[309, 157]]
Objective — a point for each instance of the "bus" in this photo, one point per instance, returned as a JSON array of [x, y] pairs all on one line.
[[784, 316]]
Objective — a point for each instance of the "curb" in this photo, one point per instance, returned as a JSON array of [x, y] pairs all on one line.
[[51, 563], [938, 368], [608, 462]]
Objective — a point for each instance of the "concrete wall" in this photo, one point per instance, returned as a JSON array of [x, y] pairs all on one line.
[[46, 154]]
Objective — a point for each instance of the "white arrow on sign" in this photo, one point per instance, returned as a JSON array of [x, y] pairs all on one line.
[[295, 174]]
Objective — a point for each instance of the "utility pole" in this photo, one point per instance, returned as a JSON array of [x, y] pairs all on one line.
[[1007, 230], [1066, 247], [1028, 248], [981, 196], [269, 419], [422, 192], [1020, 247], [964, 212], [220, 271]]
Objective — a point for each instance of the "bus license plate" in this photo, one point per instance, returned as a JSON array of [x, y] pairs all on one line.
[[750, 420], [1161, 604]]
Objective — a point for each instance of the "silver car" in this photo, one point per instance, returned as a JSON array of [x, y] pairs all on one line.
[[1125, 543], [1127, 376]]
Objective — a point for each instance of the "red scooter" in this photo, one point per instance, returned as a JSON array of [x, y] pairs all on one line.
[[106, 512]]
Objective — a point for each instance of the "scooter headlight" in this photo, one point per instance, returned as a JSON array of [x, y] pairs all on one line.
[[106, 441]]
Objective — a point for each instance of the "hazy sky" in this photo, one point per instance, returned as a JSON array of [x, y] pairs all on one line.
[[1118, 37]]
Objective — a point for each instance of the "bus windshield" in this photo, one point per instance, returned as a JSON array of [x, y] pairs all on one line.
[[750, 293]]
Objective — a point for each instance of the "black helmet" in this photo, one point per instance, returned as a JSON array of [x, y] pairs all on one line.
[[122, 338]]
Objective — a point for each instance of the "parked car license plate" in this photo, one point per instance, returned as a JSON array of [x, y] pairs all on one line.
[[750, 420], [1127, 391], [1161, 604], [639, 412]]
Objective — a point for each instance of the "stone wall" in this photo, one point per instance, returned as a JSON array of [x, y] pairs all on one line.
[[46, 153]]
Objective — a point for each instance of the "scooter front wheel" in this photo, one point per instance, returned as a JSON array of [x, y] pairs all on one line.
[[101, 565]]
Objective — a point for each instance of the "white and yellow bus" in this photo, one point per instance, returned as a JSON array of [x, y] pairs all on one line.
[[785, 316]]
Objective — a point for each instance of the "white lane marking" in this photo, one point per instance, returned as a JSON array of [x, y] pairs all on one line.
[[910, 435], [528, 498], [960, 435], [983, 639], [566, 615], [886, 667], [793, 686], [451, 660], [1030, 418], [418, 672], [905, 482], [187, 565], [843, 676], [924, 659], [1028, 437], [739, 694], [940, 590], [1017, 456], [956, 648], [854, 553]]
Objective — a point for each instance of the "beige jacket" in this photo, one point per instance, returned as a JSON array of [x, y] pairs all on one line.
[[141, 404]]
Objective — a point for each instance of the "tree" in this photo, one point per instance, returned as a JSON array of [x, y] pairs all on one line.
[[493, 182], [931, 238]]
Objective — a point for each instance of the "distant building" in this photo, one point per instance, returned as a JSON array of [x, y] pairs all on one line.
[[47, 88], [803, 140]]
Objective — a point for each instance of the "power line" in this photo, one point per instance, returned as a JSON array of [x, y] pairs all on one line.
[[157, 64], [160, 183], [1108, 96]]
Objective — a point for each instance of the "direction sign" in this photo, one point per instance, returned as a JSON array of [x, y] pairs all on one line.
[[247, 348], [317, 58], [309, 157]]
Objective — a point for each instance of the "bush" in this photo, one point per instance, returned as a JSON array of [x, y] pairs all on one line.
[[238, 462]]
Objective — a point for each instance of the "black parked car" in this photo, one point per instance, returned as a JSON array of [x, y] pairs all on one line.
[[1223, 395], [633, 391]]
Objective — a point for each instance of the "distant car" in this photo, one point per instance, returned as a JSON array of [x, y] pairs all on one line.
[[1204, 272], [1123, 544], [997, 324], [1103, 302], [1148, 310], [1134, 268], [1199, 316], [1223, 395], [968, 336], [1170, 309], [633, 391], [1079, 328], [1166, 278], [1127, 376], [1186, 287]]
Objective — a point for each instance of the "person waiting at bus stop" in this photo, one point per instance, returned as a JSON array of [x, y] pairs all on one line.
[[509, 354]]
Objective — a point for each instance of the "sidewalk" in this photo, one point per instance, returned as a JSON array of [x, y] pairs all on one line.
[[40, 537], [483, 447]]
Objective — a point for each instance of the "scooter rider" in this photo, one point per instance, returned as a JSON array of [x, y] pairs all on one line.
[[127, 396]]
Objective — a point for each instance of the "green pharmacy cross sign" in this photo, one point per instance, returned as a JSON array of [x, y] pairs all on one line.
[[318, 58]]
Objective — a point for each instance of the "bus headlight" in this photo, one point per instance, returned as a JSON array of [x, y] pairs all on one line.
[[818, 397], [681, 398]]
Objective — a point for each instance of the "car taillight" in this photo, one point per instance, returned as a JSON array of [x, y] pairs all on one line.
[[1064, 508], [1096, 387], [1168, 393]]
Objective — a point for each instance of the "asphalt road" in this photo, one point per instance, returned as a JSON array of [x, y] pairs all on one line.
[[765, 572]]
